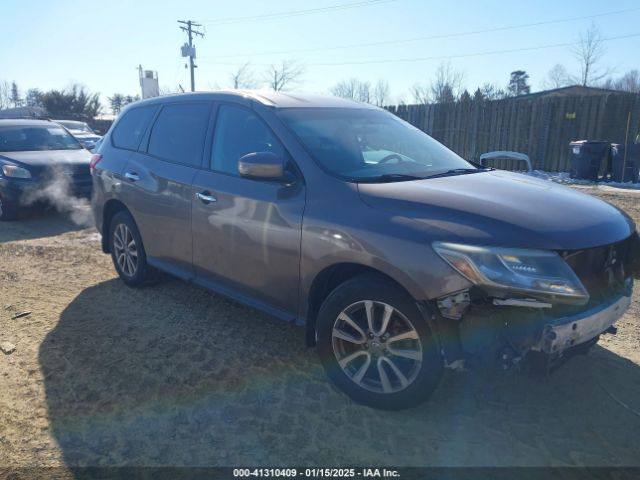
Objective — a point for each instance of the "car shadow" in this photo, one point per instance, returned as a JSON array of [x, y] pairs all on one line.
[[173, 375], [40, 223]]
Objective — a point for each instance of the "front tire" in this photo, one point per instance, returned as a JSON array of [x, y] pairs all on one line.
[[127, 251], [376, 346]]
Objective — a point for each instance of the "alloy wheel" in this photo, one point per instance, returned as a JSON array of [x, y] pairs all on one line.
[[126, 251], [377, 347]]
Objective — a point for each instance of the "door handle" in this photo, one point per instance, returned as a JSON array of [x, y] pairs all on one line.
[[134, 177], [206, 197]]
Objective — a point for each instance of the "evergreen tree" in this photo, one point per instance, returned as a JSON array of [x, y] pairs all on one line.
[[16, 99], [478, 96], [76, 103], [518, 84], [465, 97]]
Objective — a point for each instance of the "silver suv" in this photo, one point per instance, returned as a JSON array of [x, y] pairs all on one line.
[[397, 256]]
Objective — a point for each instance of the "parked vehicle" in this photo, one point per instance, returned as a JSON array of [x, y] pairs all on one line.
[[33, 155], [398, 257], [82, 131]]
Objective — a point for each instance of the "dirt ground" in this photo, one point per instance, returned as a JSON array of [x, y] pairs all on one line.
[[174, 375]]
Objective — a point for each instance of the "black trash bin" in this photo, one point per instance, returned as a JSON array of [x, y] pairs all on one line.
[[631, 166], [586, 158]]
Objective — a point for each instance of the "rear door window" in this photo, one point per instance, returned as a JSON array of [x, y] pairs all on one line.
[[131, 128], [179, 132]]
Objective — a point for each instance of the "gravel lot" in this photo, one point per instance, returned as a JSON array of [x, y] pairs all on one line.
[[174, 375]]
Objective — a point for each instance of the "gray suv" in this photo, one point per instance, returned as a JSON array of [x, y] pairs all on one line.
[[397, 256]]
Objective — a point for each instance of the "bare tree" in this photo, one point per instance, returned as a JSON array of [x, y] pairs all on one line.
[[5, 94], [116, 102], [381, 93], [169, 90], [283, 76], [557, 77], [492, 92], [447, 83], [364, 92], [345, 88], [353, 89], [33, 98], [421, 94], [589, 52], [446, 86], [629, 82], [243, 77]]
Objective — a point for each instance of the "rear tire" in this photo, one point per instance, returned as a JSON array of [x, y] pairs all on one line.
[[8, 211], [376, 346], [127, 251]]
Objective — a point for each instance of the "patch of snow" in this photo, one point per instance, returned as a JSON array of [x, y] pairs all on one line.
[[565, 179], [94, 237]]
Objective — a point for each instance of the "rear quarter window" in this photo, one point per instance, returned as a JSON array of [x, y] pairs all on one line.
[[132, 126]]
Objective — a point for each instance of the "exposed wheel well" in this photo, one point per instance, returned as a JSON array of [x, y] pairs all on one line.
[[326, 282], [110, 209]]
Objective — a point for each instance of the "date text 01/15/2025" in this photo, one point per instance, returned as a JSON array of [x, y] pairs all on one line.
[[315, 473]]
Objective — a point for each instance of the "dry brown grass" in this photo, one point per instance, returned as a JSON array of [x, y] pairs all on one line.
[[174, 375]]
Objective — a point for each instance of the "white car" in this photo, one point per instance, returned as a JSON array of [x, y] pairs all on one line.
[[82, 131]]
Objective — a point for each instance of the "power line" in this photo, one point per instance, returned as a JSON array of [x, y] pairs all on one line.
[[465, 55], [446, 57], [191, 29], [429, 37], [294, 13]]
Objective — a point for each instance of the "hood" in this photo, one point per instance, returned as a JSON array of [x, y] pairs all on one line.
[[81, 134], [501, 208], [48, 158]]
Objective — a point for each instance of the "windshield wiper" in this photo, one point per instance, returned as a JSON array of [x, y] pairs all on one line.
[[458, 171], [387, 177]]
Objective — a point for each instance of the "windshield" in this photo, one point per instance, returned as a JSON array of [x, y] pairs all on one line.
[[73, 125], [26, 138], [364, 144]]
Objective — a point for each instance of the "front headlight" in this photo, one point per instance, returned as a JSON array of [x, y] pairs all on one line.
[[537, 273], [14, 171]]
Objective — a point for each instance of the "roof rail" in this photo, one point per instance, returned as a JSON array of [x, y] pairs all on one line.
[[25, 117]]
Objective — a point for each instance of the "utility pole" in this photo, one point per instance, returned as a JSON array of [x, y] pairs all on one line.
[[188, 50]]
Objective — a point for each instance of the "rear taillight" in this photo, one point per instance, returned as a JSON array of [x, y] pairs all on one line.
[[95, 159]]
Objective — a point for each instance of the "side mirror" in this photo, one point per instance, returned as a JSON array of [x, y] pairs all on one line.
[[261, 165]]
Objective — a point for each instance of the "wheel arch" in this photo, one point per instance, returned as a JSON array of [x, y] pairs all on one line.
[[111, 208], [327, 280]]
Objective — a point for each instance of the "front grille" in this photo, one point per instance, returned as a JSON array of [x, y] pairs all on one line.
[[77, 171], [603, 270], [68, 174]]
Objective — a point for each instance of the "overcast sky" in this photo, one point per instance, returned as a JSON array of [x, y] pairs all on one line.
[[50, 44]]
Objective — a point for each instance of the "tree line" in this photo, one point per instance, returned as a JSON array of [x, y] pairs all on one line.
[[75, 101], [446, 85]]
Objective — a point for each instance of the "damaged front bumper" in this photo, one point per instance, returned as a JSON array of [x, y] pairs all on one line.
[[564, 333], [493, 321], [504, 331]]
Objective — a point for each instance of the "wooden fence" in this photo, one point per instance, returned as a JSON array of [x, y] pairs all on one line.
[[541, 127]]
